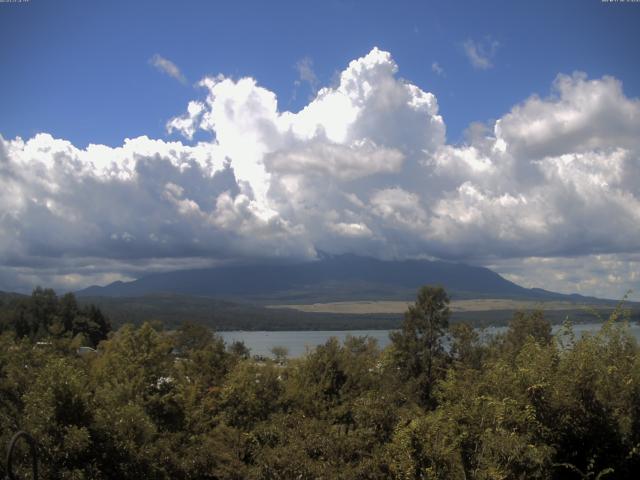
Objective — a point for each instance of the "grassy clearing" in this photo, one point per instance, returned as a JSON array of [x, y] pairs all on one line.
[[389, 307]]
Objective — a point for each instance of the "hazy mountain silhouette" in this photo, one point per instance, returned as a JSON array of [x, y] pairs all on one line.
[[331, 278]]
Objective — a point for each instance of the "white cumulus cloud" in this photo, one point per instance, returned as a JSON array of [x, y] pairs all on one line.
[[364, 167]]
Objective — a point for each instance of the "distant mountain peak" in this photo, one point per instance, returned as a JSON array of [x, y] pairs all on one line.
[[330, 278]]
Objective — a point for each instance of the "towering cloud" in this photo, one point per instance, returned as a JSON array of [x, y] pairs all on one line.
[[364, 167]]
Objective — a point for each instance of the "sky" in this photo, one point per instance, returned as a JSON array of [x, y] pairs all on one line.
[[150, 136]]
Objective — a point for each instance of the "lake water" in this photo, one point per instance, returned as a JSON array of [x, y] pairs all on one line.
[[297, 342]]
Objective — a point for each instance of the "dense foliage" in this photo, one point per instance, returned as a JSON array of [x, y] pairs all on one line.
[[438, 403], [44, 315]]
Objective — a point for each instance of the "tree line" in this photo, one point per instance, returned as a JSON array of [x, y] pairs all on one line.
[[438, 403], [44, 315]]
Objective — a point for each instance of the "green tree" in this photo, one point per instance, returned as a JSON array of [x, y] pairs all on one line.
[[417, 347], [239, 350], [525, 325], [192, 336], [280, 354], [466, 348], [57, 412], [251, 393]]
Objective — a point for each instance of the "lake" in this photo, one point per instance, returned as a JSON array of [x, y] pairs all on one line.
[[297, 342]]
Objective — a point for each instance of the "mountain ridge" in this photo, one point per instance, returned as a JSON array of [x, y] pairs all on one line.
[[331, 278]]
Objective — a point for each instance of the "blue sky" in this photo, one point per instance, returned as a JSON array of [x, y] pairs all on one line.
[[72, 68], [497, 133]]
